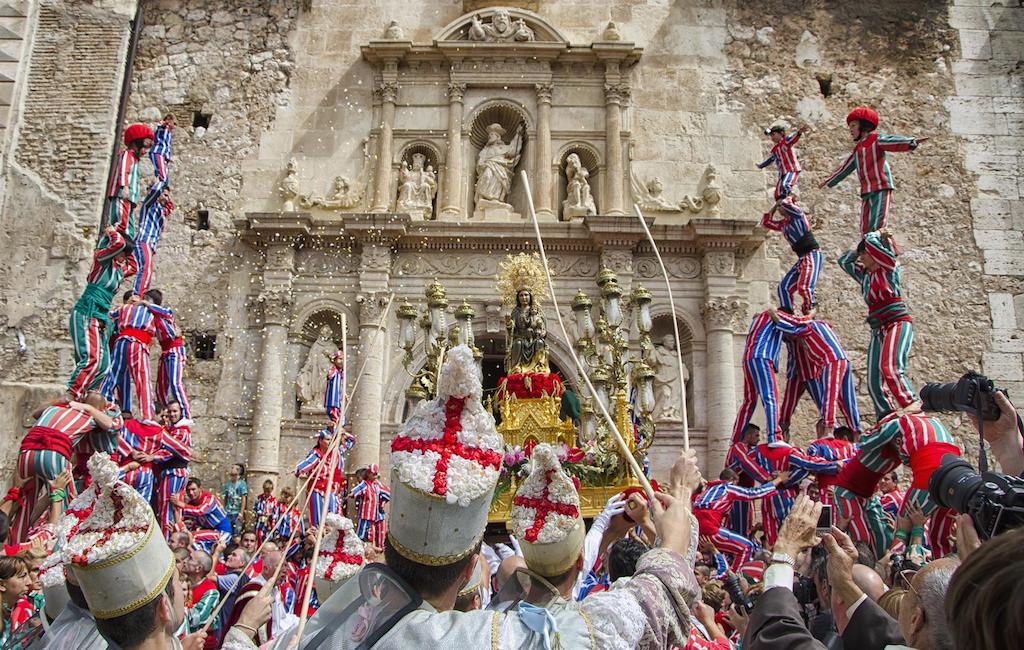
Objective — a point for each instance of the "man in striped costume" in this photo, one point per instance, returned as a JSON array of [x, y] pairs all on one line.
[[290, 518], [320, 502], [334, 398], [741, 517], [90, 324], [829, 368], [802, 278], [171, 368], [138, 442], [760, 360], [370, 497], [868, 158], [135, 325], [123, 190], [713, 502], [766, 461], [891, 497], [264, 511], [921, 440], [875, 267], [151, 225], [206, 515], [831, 445], [49, 446], [855, 500], [172, 461], [784, 157]]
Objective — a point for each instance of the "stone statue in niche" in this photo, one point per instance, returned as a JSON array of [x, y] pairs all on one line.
[[494, 167], [416, 188], [345, 194], [290, 186], [578, 200], [666, 380], [309, 383], [500, 30]]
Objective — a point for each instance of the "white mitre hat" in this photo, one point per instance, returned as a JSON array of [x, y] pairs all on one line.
[[341, 555], [546, 516], [444, 466], [117, 555]]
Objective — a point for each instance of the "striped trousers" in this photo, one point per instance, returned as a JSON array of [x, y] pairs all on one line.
[[801, 279], [143, 252], [786, 184], [888, 349], [130, 365], [735, 545], [774, 510], [172, 481], [867, 522], [142, 480], [874, 209], [371, 532], [38, 466], [741, 517], [92, 358], [169, 386], [758, 381], [837, 389], [122, 217], [318, 508]]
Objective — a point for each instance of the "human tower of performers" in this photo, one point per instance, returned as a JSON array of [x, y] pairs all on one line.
[[152, 444]]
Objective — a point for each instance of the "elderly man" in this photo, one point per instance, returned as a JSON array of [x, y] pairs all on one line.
[[204, 590]]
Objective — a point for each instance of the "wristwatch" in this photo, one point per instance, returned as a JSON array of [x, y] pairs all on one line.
[[783, 558]]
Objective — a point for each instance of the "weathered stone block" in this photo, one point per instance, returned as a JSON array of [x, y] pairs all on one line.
[[1003, 366], [975, 44], [987, 18], [1003, 315], [1004, 262]]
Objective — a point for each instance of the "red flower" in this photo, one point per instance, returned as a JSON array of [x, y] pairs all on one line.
[[529, 445], [574, 455]]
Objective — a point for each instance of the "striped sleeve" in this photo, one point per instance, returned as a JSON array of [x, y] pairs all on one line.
[[751, 494], [891, 142], [771, 224], [879, 252], [847, 168], [793, 139], [769, 160], [206, 505], [307, 464], [115, 243], [199, 613], [801, 460], [848, 263], [176, 441]]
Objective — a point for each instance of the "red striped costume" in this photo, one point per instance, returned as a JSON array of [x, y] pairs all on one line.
[[172, 460]]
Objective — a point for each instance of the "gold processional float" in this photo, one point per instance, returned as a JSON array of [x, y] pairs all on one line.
[[530, 400]]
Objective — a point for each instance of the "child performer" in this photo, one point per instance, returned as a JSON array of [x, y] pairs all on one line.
[[803, 277], [869, 159], [784, 157]]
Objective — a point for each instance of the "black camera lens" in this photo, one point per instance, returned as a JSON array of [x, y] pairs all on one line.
[[953, 483], [938, 398]]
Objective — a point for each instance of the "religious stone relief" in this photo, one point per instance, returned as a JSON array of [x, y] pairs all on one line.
[[495, 166], [501, 29], [719, 263], [289, 188], [578, 200], [345, 195], [648, 195], [416, 188], [309, 383], [664, 361]]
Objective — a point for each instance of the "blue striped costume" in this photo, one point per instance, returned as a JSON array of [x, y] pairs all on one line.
[[713, 504], [802, 278], [760, 359]]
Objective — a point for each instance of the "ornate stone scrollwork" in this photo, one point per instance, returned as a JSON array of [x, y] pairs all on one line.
[[371, 307], [274, 305], [616, 93], [386, 91], [544, 92], [723, 313], [620, 261], [456, 92], [719, 263], [375, 258]]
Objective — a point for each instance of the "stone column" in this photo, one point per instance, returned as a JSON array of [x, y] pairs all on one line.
[[388, 92], [719, 316], [615, 94], [367, 400], [274, 306], [543, 191], [453, 208]]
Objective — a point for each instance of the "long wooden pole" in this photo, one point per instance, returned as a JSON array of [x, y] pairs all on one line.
[[583, 370]]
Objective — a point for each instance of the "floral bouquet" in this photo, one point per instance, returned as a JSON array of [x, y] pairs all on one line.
[[530, 385]]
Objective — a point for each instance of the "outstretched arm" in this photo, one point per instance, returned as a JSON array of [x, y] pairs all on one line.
[[847, 168]]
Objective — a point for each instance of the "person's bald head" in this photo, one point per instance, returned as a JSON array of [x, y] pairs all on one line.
[[923, 612], [507, 567], [869, 581]]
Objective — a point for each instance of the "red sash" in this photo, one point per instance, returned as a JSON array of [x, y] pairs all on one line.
[[858, 479], [708, 520], [925, 460], [142, 336], [41, 438], [175, 343]]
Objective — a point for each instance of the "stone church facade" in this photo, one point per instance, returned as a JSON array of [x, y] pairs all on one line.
[[326, 160]]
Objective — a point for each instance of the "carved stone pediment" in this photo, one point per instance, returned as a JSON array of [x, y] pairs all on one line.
[[503, 25]]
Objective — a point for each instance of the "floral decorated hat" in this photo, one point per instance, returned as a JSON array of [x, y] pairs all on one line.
[[444, 466], [341, 554], [546, 516], [116, 554], [52, 572]]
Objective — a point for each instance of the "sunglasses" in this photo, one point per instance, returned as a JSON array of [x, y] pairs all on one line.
[[905, 581]]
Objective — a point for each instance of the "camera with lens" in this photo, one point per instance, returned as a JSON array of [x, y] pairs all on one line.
[[898, 564], [973, 394], [994, 501], [805, 591], [736, 595]]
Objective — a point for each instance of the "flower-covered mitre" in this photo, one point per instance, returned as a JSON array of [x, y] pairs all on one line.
[[341, 554], [445, 464], [546, 515], [116, 552]]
